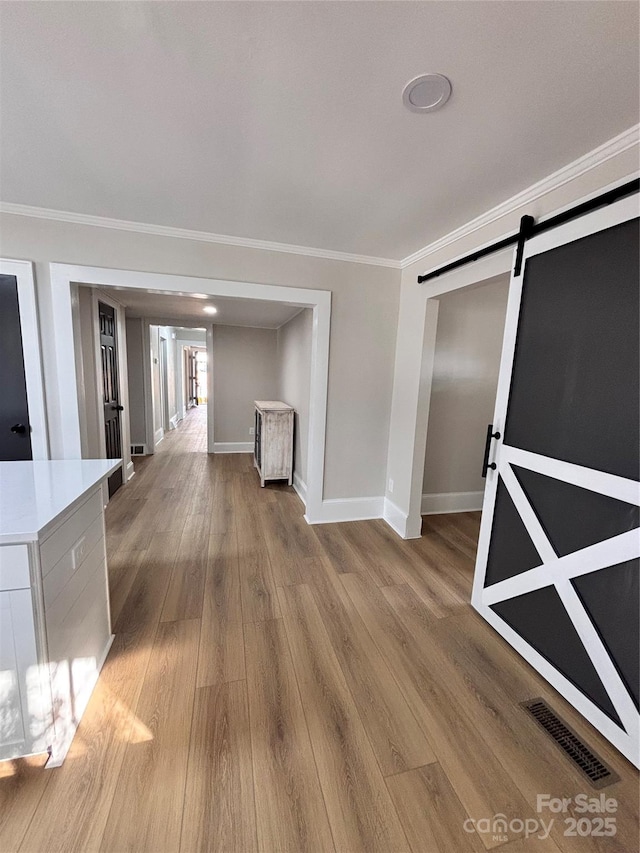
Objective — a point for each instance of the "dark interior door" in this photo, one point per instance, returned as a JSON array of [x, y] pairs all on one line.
[[15, 437], [193, 378], [110, 390]]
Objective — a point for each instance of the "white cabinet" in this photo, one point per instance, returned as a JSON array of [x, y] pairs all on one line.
[[55, 628], [273, 447], [18, 662]]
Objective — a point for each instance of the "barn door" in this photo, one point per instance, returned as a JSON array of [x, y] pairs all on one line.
[[110, 390], [557, 568]]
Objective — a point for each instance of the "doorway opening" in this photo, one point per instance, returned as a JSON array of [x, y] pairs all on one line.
[[282, 354], [194, 372], [466, 364], [168, 386]]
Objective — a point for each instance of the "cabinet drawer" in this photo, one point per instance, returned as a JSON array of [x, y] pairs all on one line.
[[72, 528], [14, 567]]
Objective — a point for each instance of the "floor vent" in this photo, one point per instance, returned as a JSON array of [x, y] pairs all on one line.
[[138, 450], [596, 771]]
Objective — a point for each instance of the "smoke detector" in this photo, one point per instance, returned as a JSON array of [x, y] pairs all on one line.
[[426, 93]]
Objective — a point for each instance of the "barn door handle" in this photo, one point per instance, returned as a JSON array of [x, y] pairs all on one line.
[[18, 429], [118, 408], [487, 449]]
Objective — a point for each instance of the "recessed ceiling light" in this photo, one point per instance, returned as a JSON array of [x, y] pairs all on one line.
[[426, 93], [198, 295], [210, 309]]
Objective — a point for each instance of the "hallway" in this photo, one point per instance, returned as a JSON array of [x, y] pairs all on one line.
[[279, 687], [191, 437]]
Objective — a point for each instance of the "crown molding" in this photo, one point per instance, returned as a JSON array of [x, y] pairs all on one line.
[[185, 234], [625, 140]]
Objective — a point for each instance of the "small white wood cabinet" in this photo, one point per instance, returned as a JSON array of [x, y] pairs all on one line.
[[55, 628], [273, 445]]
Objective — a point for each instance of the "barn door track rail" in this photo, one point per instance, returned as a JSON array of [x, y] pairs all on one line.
[[530, 228]]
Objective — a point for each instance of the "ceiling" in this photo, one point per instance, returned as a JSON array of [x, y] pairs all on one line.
[[284, 121], [188, 309]]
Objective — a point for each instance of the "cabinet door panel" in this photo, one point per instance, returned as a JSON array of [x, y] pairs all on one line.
[[12, 732], [25, 716]]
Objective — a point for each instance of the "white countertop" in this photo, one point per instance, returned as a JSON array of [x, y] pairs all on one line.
[[34, 494]]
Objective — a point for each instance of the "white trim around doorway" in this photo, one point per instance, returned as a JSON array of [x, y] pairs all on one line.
[[65, 416], [409, 525]]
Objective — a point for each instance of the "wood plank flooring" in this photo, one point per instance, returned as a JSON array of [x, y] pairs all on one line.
[[278, 687]]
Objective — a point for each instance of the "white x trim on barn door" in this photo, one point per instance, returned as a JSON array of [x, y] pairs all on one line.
[[558, 571], [559, 575]]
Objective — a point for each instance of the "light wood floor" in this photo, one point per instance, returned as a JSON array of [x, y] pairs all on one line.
[[279, 687]]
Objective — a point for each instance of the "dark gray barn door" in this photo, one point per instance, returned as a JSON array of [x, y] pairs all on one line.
[[110, 390], [15, 432], [558, 568]]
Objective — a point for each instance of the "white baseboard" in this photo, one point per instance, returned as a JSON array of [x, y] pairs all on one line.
[[158, 436], [437, 503], [233, 447], [399, 521], [346, 509], [395, 517], [130, 471], [300, 487], [173, 422]]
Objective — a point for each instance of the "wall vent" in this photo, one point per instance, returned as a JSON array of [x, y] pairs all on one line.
[[584, 759], [138, 450]]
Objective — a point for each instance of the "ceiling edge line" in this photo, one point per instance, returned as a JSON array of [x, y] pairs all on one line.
[[586, 163], [15, 209], [166, 322]]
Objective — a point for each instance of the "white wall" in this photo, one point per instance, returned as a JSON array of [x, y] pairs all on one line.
[[363, 322], [294, 373], [463, 392], [244, 370]]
